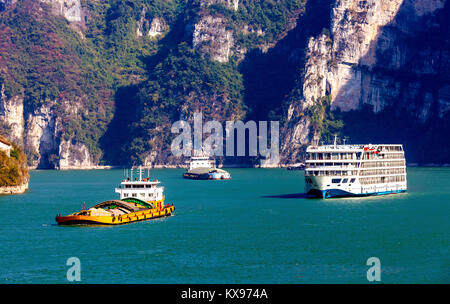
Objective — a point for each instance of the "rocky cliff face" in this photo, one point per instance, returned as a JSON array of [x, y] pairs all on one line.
[[42, 108], [228, 58], [74, 156], [158, 26], [11, 114], [41, 133], [372, 34], [14, 189], [40, 136], [212, 37], [374, 56], [70, 9]]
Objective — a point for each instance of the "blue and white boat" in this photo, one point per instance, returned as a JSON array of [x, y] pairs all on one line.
[[354, 170]]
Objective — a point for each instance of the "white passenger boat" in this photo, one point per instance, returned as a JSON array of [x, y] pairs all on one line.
[[201, 167], [354, 170]]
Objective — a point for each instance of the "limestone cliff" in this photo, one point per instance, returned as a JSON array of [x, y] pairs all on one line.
[[212, 37], [41, 132], [40, 136], [158, 26], [373, 56], [70, 9], [11, 115], [44, 97], [14, 189], [74, 156]]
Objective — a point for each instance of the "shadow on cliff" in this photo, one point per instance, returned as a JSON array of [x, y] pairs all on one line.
[[112, 142], [269, 77], [425, 140]]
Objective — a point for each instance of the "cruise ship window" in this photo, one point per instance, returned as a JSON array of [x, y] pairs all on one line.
[[352, 180], [345, 180], [336, 180]]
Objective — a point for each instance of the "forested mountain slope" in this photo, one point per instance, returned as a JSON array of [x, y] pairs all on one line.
[[86, 83]]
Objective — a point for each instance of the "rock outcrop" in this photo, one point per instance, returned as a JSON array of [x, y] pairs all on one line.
[[74, 156], [14, 189], [70, 9], [212, 37], [11, 114], [40, 136], [158, 26]]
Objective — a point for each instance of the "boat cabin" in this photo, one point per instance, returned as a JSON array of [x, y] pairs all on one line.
[[201, 162], [145, 189]]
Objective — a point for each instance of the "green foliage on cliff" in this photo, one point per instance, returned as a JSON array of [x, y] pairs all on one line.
[[13, 168], [269, 16], [183, 79], [325, 122]]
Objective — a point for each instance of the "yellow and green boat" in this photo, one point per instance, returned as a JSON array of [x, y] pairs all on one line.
[[140, 199]]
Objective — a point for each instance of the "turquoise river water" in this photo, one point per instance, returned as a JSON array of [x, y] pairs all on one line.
[[255, 228]]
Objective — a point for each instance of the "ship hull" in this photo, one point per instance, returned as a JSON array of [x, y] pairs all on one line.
[[115, 220], [206, 176], [332, 193]]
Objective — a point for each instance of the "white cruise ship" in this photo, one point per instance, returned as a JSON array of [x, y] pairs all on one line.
[[354, 170]]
